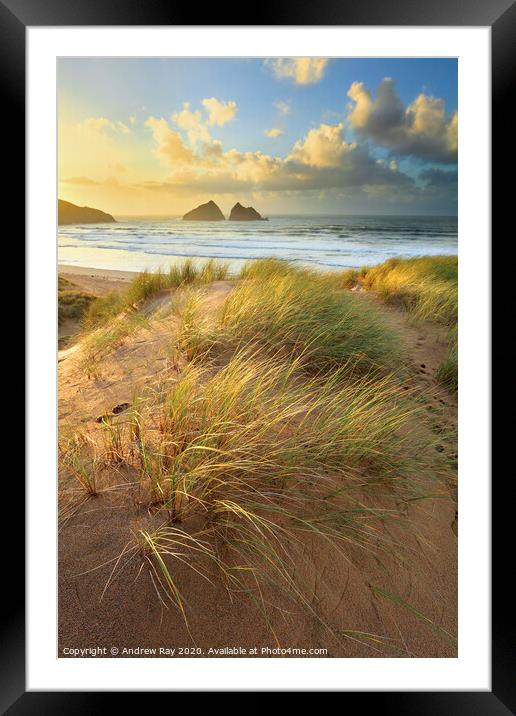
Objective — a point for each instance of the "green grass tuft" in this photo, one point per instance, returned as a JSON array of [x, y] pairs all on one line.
[[447, 372], [426, 286], [147, 284], [72, 302], [257, 455], [103, 310], [299, 313]]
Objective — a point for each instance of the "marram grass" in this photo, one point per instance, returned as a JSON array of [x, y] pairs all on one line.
[[256, 456], [146, 284], [428, 289], [97, 345], [447, 372], [299, 314], [112, 318]]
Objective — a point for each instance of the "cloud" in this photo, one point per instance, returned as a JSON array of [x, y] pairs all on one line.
[[195, 124], [321, 160], [282, 107], [438, 178], [439, 187], [81, 181], [274, 132], [88, 181], [219, 113], [322, 147], [420, 130], [170, 144], [94, 146], [100, 124], [302, 70], [192, 123], [118, 168]]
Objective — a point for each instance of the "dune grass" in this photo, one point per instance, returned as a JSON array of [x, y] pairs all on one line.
[[296, 429], [79, 453], [299, 313], [96, 346], [72, 302], [146, 284], [447, 372], [255, 455], [112, 318], [188, 273], [258, 416], [103, 310], [427, 288], [267, 268]]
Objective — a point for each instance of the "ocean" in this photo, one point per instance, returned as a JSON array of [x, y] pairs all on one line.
[[330, 242]]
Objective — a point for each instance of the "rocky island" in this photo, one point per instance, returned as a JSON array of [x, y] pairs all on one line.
[[245, 213], [205, 212], [68, 213]]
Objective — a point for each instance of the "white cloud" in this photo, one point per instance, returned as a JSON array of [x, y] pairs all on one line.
[[302, 70], [219, 113], [274, 132]]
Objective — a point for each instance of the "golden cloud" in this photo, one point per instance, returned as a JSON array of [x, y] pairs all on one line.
[[99, 124], [322, 147], [192, 123], [170, 145], [219, 113], [302, 70], [322, 159], [274, 132]]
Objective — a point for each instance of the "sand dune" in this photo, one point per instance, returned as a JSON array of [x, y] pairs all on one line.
[[351, 597]]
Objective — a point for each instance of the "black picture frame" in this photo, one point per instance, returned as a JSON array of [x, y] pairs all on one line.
[[500, 15]]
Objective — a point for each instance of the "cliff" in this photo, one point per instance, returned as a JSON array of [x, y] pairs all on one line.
[[71, 214]]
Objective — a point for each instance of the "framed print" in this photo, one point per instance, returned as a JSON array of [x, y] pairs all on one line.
[[259, 289]]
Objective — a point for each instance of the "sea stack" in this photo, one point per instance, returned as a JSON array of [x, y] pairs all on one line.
[[205, 212], [68, 213], [244, 213]]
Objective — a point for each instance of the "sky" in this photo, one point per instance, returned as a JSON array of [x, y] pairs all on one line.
[[158, 136]]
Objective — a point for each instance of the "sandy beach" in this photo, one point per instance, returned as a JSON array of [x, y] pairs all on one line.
[[98, 281]]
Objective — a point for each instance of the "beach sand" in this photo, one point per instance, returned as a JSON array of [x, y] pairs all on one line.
[[127, 614], [97, 281]]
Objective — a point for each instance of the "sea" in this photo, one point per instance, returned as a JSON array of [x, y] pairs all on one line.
[[325, 242]]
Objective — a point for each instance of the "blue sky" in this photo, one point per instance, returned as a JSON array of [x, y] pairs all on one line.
[[408, 122]]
